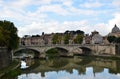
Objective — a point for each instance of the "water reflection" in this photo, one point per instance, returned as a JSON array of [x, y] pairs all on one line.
[[75, 75], [23, 65], [71, 68]]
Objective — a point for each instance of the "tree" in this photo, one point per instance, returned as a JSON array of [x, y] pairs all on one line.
[[8, 35], [56, 39], [66, 38], [80, 32], [78, 39], [111, 39]]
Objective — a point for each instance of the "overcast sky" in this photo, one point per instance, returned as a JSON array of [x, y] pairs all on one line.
[[37, 16]]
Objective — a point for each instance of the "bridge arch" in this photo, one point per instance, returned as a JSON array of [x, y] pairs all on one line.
[[27, 52], [86, 50], [61, 50]]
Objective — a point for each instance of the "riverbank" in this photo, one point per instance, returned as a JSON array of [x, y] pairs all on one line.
[[14, 65], [113, 57]]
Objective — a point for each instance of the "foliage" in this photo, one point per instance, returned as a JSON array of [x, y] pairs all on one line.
[[111, 39], [66, 38], [56, 39], [78, 39], [74, 32], [8, 35]]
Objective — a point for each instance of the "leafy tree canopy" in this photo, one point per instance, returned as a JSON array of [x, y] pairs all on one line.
[[74, 32], [66, 38], [8, 35], [111, 39], [78, 39], [56, 38]]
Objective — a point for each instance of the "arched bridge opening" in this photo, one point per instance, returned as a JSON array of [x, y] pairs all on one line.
[[26, 53], [57, 51], [86, 50]]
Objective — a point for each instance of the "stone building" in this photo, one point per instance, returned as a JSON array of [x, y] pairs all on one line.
[[37, 41], [115, 31], [47, 39], [87, 39], [26, 40], [31, 40], [96, 38]]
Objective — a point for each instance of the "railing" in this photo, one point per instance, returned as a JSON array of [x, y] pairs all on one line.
[[47, 45]]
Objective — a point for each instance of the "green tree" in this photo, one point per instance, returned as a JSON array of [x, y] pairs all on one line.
[[8, 35], [1, 36], [56, 39], [66, 38], [78, 39], [111, 39]]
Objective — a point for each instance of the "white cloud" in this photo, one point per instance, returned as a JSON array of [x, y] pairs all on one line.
[[68, 3], [91, 5], [115, 20], [34, 22], [116, 3], [52, 26], [56, 8], [56, 26]]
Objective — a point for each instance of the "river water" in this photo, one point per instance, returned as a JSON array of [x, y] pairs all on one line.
[[69, 68]]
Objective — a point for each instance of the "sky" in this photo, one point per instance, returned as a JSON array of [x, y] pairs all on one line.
[[33, 17]]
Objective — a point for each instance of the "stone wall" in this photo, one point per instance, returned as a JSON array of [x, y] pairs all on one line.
[[118, 49], [5, 57]]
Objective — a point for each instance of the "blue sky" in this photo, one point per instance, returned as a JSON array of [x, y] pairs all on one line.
[[37, 16]]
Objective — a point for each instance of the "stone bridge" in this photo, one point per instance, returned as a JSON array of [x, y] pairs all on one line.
[[95, 49]]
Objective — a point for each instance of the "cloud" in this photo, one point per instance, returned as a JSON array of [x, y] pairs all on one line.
[[50, 27], [91, 5], [115, 20], [56, 8], [67, 16], [67, 3], [56, 26], [116, 3]]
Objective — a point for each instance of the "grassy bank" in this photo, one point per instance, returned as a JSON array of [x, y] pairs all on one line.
[[14, 65]]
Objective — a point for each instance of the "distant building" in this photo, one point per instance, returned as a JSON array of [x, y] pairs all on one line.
[[115, 31], [96, 38], [37, 41], [47, 39], [94, 33], [26, 40], [87, 39], [31, 40]]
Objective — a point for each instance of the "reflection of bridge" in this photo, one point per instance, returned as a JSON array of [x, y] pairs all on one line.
[[73, 49], [80, 64]]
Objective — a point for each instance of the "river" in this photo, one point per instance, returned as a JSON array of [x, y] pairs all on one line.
[[68, 68]]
